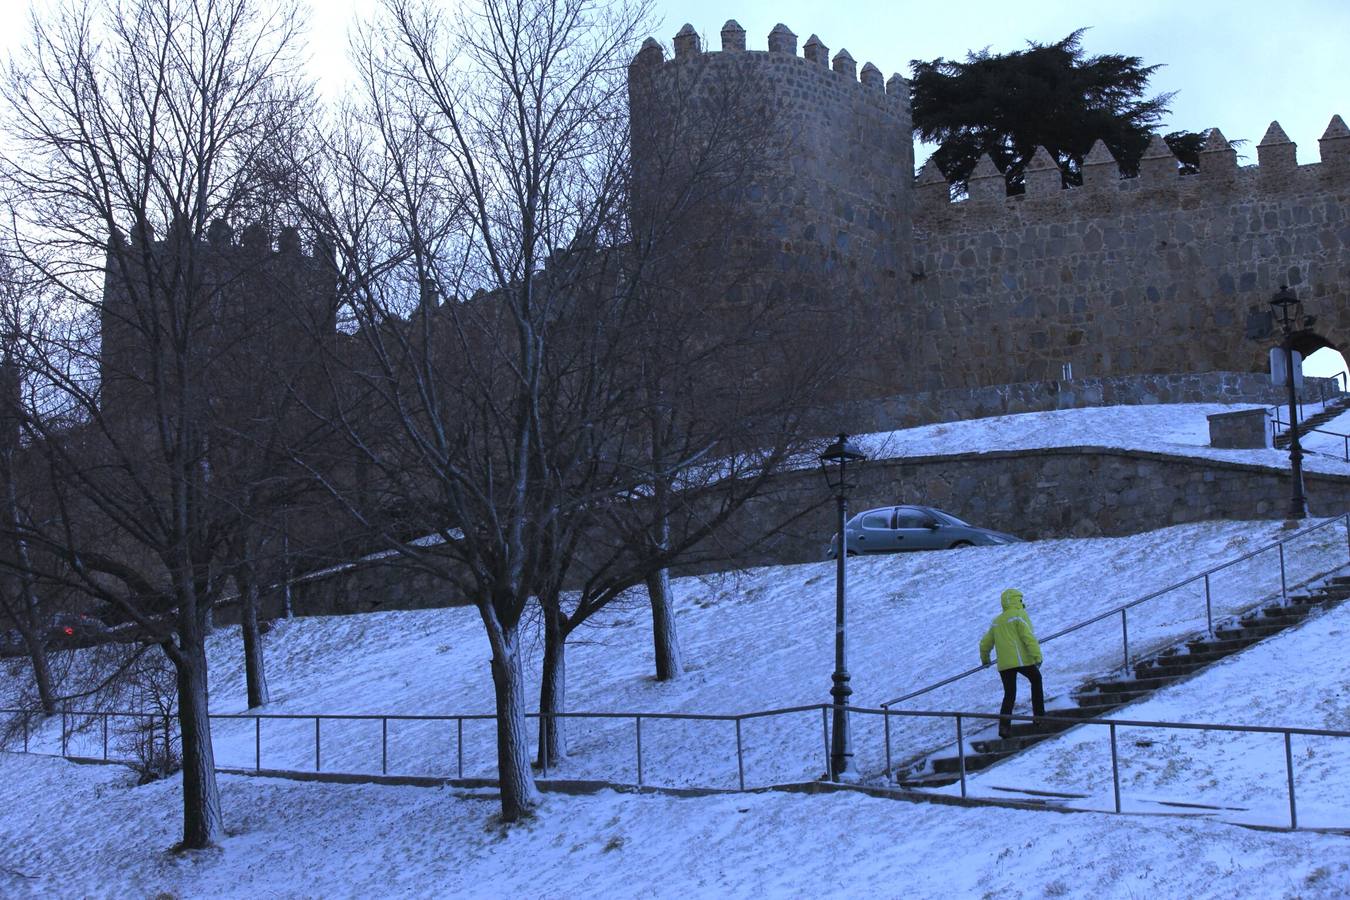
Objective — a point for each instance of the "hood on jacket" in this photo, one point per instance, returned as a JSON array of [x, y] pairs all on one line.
[[1011, 597]]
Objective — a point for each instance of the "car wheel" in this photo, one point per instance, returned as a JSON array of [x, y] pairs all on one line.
[[962, 544], [853, 553]]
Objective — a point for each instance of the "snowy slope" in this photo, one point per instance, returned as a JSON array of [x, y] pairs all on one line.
[[756, 640], [1301, 676], [1177, 428], [294, 840]]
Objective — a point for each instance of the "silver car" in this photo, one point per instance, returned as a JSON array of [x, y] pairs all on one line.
[[894, 529]]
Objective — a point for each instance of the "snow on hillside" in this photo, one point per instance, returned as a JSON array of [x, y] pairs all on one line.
[[1300, 677], [1177, 428], [756, 640], [87, 831], [1325, 439]]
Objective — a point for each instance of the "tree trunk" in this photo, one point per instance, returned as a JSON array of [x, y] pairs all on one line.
[[669, 664], [42, 670], [553, 690], [255, 675], [519, 796], [203, 825], [29, 619]]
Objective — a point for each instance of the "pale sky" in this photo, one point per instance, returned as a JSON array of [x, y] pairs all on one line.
[[1236, 64]]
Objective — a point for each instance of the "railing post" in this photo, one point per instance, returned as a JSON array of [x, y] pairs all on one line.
[[1284, 589], [638, 720], [25, 715], [543, 745], [168, 739], [105, 737], [886, 719], [961, 753], [459, 745], [1289, 772], [1347, 534], [1209, 608], [740, 757], [1125, 637], [1115, 767], [384, 745], [825, 731], [257, 743], [65, 713], [1346, 438], [316, 743]]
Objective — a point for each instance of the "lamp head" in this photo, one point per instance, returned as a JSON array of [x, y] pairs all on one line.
[[835, 460]]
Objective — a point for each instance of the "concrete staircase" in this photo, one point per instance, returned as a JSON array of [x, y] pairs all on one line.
[[1330, 410], [1102, 696]]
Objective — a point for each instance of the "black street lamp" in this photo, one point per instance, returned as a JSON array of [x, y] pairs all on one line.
[[1283, 301], [834, 465]]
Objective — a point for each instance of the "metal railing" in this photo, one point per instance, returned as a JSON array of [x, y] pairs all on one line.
[[1112, 726], [1319, 431], [1342, 387], [1123, 610], [640, 777]]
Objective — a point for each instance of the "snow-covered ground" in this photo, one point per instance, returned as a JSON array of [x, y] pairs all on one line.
[[1177, 428], [756, 640], [1300, 677], [85, 831]]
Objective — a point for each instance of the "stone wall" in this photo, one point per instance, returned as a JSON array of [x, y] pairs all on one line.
[[1159, 273], [1051, 493], [1143, 275], [817, 220], [1034, 494]]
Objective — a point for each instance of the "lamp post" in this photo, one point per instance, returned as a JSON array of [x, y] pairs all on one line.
[[1283, 301], [834, 465]]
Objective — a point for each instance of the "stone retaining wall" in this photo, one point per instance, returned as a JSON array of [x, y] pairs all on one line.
[[1046, 493]]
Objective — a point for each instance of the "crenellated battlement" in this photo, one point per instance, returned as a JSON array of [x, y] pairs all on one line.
[[781, 42], [1157, 272], [1219, 176]]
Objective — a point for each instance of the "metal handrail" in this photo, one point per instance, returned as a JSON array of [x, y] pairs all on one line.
[[1287, 732], [1343, 437], [1123, 608], [824, 708]]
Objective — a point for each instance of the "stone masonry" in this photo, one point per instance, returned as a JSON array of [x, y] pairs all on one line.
[[1155, 274]]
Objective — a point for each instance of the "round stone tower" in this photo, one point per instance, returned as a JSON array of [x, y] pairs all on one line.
[[802, 169]]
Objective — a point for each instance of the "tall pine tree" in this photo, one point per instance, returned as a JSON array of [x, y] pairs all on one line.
[[1050, 95]]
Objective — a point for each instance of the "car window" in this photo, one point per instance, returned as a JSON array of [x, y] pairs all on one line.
[[949, 518], [912, 518], [876, 520]]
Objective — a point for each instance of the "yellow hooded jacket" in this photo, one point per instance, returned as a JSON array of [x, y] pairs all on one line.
[[1011, 635]]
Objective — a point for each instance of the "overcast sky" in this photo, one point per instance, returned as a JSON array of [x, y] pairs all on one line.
[[1236, 64]]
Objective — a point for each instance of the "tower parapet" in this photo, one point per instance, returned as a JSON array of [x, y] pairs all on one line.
[[805, 164], [1131, 275]]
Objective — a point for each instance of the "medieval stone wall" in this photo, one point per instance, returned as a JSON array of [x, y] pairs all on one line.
[[1159, 273], [823, 217]]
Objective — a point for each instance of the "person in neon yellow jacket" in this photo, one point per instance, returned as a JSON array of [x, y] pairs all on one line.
[[1014, 642]]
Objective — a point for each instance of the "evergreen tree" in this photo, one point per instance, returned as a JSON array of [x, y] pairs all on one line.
[[1050, 95]]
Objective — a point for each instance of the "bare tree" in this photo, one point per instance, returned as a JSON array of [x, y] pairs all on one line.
[[529, 418], [486, 151], [128, 120]]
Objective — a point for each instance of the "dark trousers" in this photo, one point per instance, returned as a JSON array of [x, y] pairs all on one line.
[[1009, 676]]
